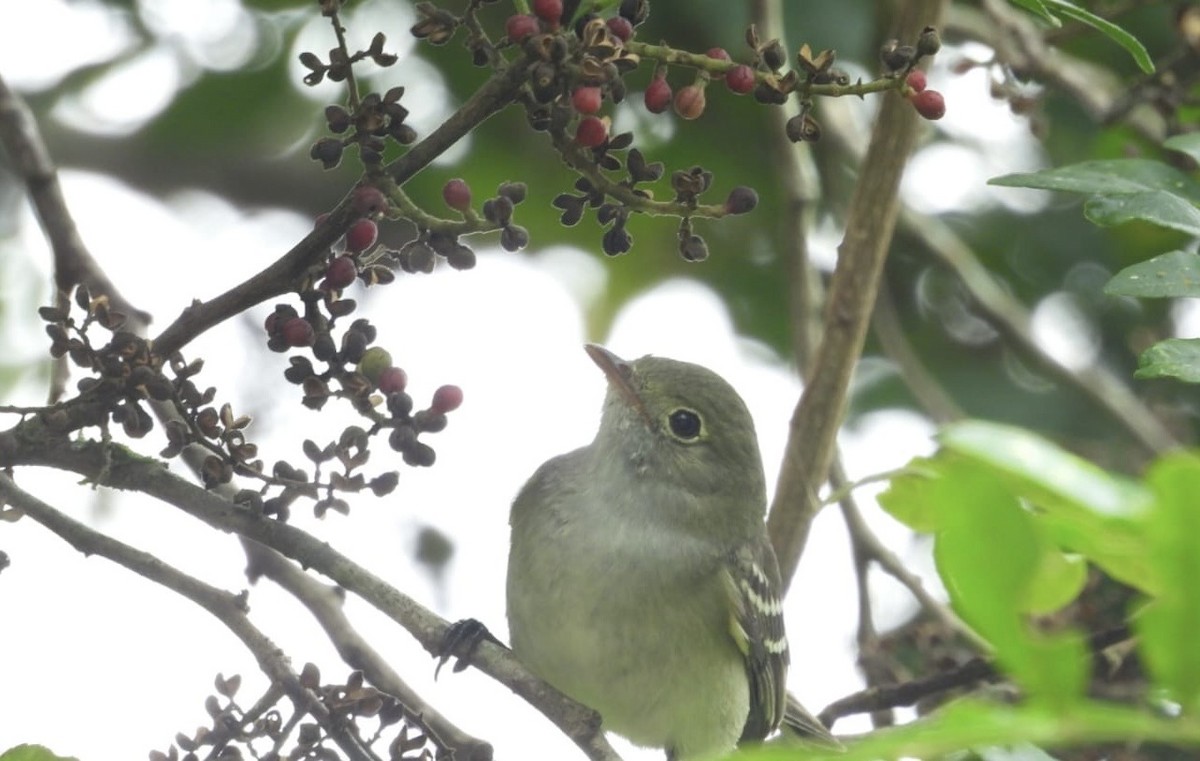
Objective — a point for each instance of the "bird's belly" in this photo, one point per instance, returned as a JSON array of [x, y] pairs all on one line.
[[656, 661]]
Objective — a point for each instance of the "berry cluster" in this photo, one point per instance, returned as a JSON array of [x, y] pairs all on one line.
[[901, 61]]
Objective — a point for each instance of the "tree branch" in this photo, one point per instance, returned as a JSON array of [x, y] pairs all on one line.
[[228, 608], [870, 220], [122, 469], [280, 276]]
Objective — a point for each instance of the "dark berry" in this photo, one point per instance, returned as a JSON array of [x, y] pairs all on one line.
[[519, 27], [341, 272], [929, 43], [718, 54], [740, 79], [689, 102], [741, 200], [361, 235], [549, 11], [586, 100], [620, 28], [930, 104], [915, 80], [446, 399], [392, 380], [591, 132], [658, 95], [369, 201], [457, 194], [298, 332]]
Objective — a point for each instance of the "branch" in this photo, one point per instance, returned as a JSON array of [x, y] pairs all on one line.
[[228, 608], [965, 675], [870, 220], [325, 604], [280, 276], [122, 469]]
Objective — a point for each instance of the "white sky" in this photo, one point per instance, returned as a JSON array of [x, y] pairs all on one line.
[[100, 664]]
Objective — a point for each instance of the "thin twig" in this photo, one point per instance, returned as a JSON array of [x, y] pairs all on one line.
[[229, 609], [325, 605]]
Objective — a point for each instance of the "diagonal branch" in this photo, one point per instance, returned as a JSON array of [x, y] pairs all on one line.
[[228, 608], [122, 469]]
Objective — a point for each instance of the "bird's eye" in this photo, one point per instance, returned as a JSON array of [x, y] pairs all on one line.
[[685, 424]]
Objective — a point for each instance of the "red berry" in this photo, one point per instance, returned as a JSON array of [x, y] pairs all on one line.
[[457, 194], [717, 53], [368, 201], [929, 104], [392, 380], [586, 100], [361, 235], [689, 102], [340, 272], [520, 27], [298, 332], [915, 80], [549, 11], [591, 131], [658, 95], [620, 28], [446, 399], [740, 79]]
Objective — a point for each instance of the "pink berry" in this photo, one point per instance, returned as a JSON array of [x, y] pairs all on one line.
[[520, 27], [658, 95], [361, 235], [392, 380], [340, 273], [446, 399], [457, 194], [549, 11], [689, 102], [298, 332], [740, 79], [717, 53], [930, 104], [591, 132], [620, 28], [586, 100], [915, 80], [368, 201]]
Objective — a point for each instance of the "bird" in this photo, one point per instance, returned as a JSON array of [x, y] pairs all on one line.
[[641, 580]]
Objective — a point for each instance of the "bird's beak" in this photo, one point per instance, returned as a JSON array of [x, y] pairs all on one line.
[[620, 376]]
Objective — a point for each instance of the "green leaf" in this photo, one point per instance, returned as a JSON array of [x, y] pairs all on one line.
[[1058, 579], [1108, 177], [972, 723], [1168, 626], [1170, 275], [991, 581], [1081, 507], [1038, 8], [907, 498], [1045, 469], [1157, 207], [32, 753], [1188, 143], [1173, 358], [1108, 28]]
